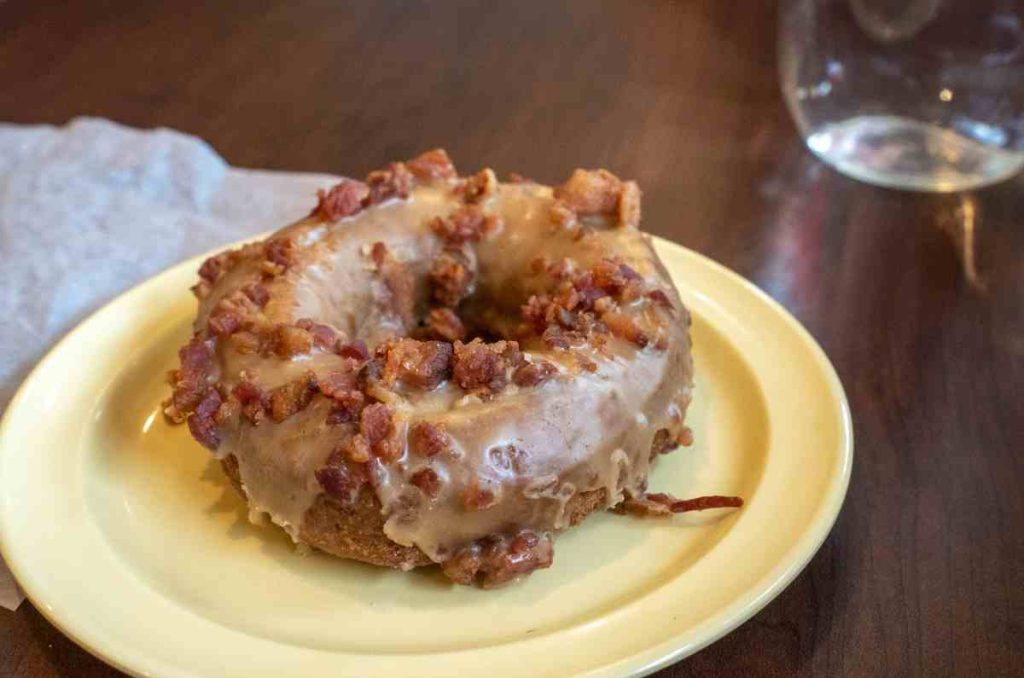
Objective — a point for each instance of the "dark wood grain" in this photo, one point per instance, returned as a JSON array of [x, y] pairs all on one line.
[[924, 571]]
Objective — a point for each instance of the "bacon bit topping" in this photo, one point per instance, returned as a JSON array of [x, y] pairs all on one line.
[[394, 182], [354, 349], [562, 215], [591, 192], [201, 422], [426, 479], [324, 336], [568, 315], [223, 321], [278, 251], [342, 200], [659, 505], [663, 442], [377, 434], [629, 205], [228, 410], [358, 449], [500, 559], [254, 400], [246, 343], [340, 481], [234, 312], [660, 298], [555, 337], [213, 267], [428, 440], [290, 341], [479, 187], [398, 280], [190, 380], [625, 327], [257, 294], [348, 405], [419, 364], [444, 324], [466, 224], [477, 498], [484, 367], [451, 277], [534, 374], [292, 397], [337, 383], [434, 164], [616, 279]]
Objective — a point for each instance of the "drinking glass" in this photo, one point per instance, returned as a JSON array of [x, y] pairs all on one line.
[[914, 94]]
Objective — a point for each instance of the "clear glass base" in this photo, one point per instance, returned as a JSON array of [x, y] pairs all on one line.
[[898, 152]]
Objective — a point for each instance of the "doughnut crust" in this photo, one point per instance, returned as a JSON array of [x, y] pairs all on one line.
[[440, 369]]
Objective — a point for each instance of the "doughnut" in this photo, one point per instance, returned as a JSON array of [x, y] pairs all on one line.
[[438, 369]]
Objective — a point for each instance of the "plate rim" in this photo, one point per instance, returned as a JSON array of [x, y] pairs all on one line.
[[643, 662]]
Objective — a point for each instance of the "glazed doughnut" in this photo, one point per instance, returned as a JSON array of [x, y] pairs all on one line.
[[439, 369]]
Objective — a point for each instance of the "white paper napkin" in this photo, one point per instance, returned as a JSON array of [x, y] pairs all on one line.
[[92, 208]]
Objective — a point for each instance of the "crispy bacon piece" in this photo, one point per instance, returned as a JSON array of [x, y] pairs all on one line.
[[228, 316], [427, 480], [257, 293], [348, 405], [419, 364], [476, 497], [377, 435], [202, 422], [336, 383], [190, 380], [625, 327], [478, 366], [451, 277], [433, 164], [629, 205], [444, 324], [500, 559], [254, 400], [342, 200], [395, 181], [324, 336], [290, 341], [279, 253], [660, 298], [479, 187], [355, 350], [663, 442], [660, 504], [340, 480], [287, 399], [398, 280], [590, 192], [534, 374], [215, 266], [556, 337], [428, 439], [469, 223]]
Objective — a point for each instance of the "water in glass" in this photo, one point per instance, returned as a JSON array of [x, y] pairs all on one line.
[[915, 94]]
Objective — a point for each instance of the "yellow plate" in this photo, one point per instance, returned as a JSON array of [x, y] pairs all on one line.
[[125, 535]]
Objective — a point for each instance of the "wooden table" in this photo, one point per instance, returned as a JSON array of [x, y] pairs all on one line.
[[918, 300]]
